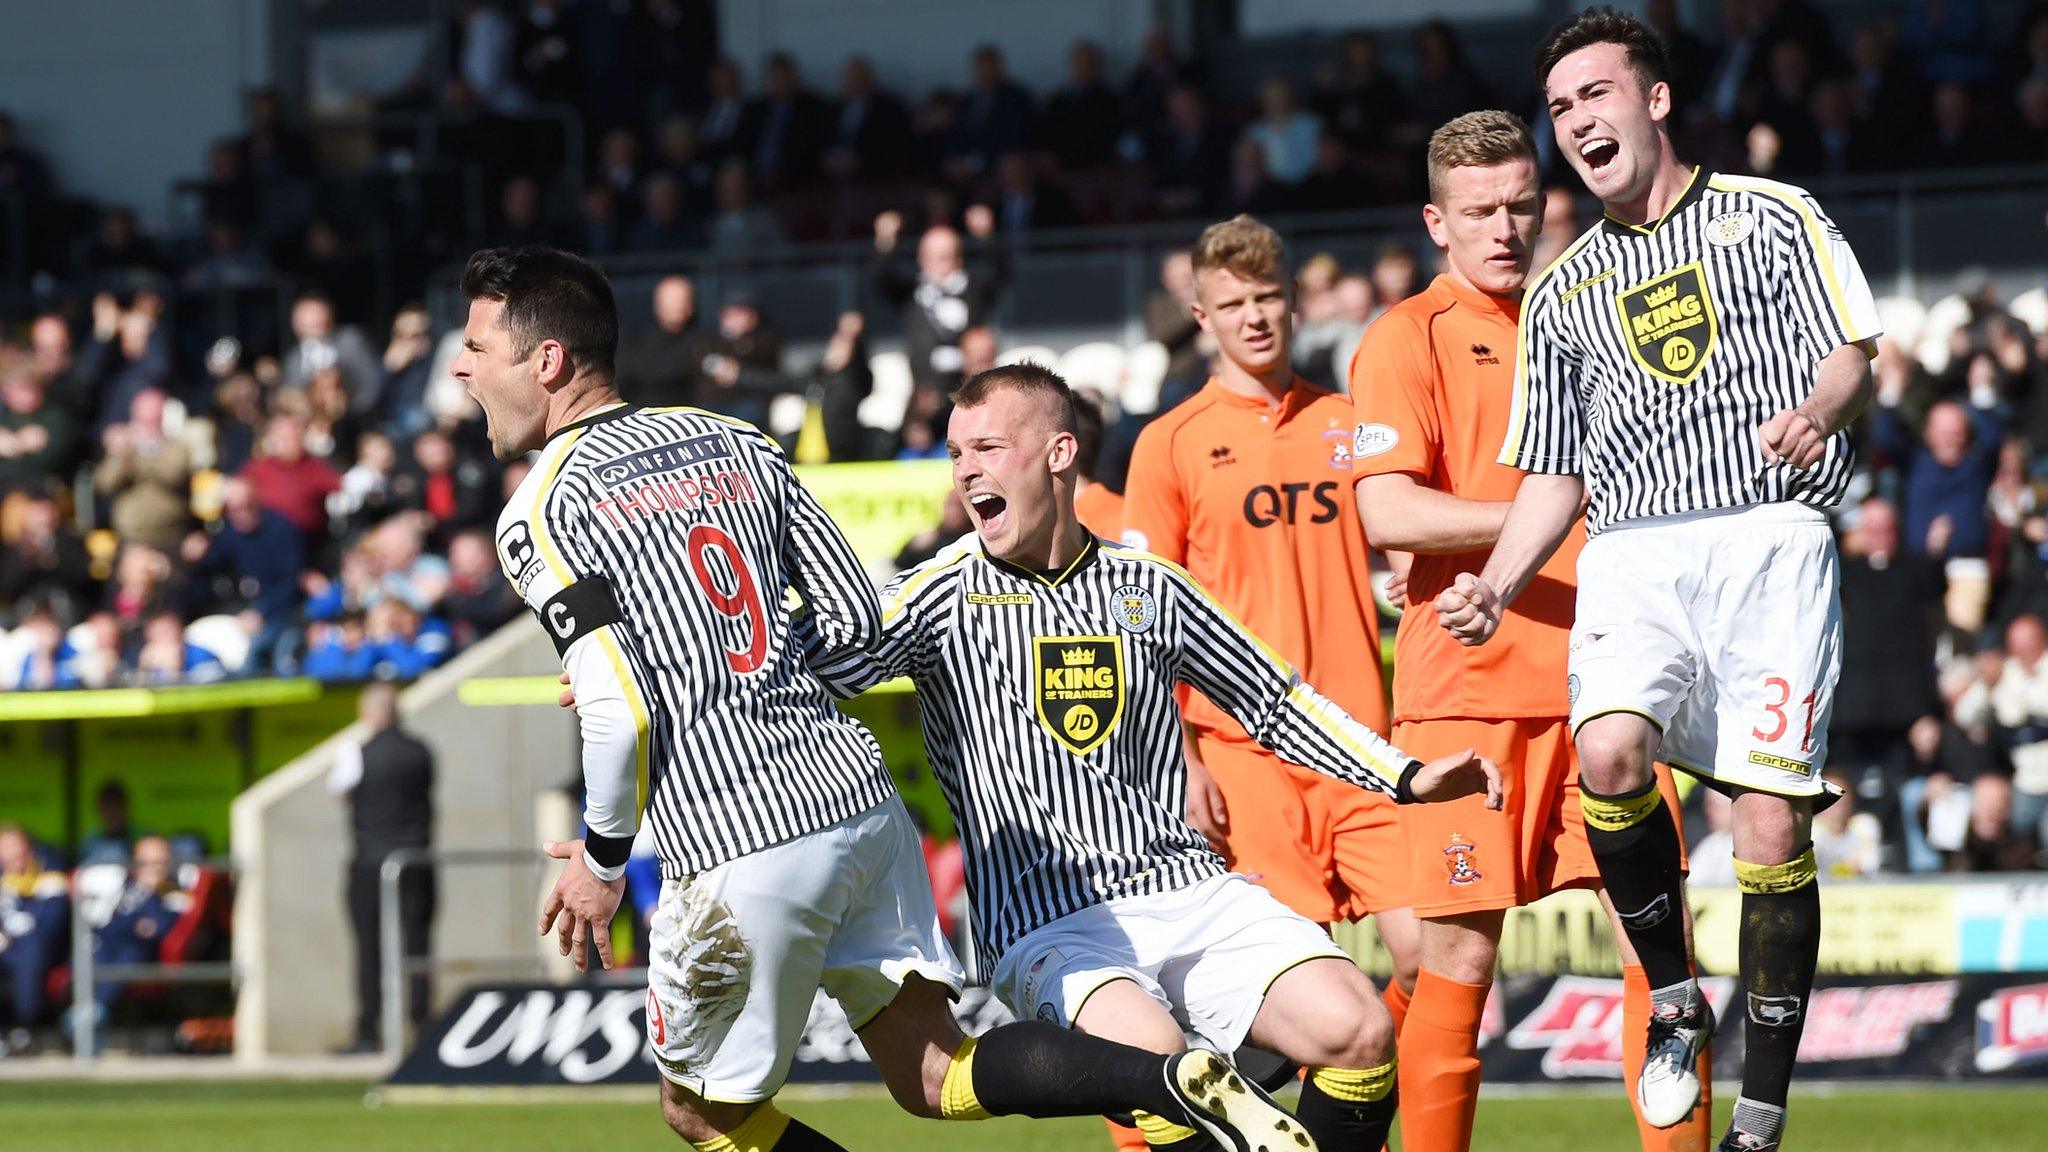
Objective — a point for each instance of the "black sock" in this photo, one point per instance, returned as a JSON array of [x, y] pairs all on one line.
[[1780, 946], [801, 1137], [1636, 845], [1346, 1124], [1037, 1069]]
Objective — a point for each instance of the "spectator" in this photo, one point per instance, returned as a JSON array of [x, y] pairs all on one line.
[[46, 564], [109, 845], [1887, 702], [144, 582], [1025, 201], [743, 361], [1889, 90], [2019, 703], [1689, 55], [662, 365], [1285, 133], [721, 133], [34, 910], [600, 232], [251, 566], [845, 379], [993, 119], [1188, 155], [1948, 37], [366, 496], [119, 256], [130, 354], [292, 482], [338, 264], [1360, 101], [942, 294], [103, 661], [227, 259], [403, 646], [67, 382], [387, 779], [679, 154], [331, 430], [1946, 478], [1446, 84], [1712, 859], [869, 131], [1847, 844], [1395, 275], [478, 600], [1157, 72], [1082, 119], [2030, 138], [1354, 308], [237, 417], [785, 128], [149, 905], [145, 475], [1170, 320], [663, 226], [486, 58], [39, 441], [741, 229], [408, 372], [1846, 145], [522, 216], [318, 342], [1560, 227], [619, 165], [1956, 137], [454, 493], [1784, 105], [545, 47], [338, 651], [48, 660], [166, 657]]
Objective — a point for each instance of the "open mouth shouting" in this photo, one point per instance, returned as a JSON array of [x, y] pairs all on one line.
[[1598, 152], [989, 511]]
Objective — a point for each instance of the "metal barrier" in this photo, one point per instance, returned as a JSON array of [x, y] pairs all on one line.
[[87, 973], [395, 968]]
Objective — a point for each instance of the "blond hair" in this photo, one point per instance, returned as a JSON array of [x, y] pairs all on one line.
[[1476, 140], [1244, 246]]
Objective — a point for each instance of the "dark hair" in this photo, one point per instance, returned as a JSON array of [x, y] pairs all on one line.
[[1027, 377], [1088, 430], [549, 294], [1605, 26]]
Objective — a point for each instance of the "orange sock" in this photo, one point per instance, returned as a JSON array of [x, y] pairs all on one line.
[[1691, 1134], [1127, 1139], [1439, 1074], [1397, 1002]]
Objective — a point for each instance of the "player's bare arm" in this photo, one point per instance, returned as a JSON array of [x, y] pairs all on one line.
[[1841, 387], [1207, 810], [1543, 511], [1400, 512]]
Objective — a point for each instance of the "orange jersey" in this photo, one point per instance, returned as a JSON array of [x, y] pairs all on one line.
[[1432, 382], [1255, 501], [1100, 511]]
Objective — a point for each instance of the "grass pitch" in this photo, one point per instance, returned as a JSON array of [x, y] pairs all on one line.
[[286, 1117]]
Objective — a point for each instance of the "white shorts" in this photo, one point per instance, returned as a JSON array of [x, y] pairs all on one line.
[[738, 953], [1725, 630], [1207, 953]]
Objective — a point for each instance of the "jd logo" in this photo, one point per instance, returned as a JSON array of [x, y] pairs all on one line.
[[1079, 681], [1669, 323]]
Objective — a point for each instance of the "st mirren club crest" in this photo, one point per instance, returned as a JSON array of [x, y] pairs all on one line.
[[1458, 861]]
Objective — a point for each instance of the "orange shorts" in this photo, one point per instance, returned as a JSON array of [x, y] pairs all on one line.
[[1468, 859], [1324, 848]]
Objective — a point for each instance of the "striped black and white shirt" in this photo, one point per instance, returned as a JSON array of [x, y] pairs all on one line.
[[1649, 356], [1047, 702], [657, 545]]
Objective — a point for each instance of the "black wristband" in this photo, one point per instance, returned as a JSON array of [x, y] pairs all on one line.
[[1404, 789], [608, 851]]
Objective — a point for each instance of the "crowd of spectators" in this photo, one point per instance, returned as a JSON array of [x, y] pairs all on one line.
[[315, 512]]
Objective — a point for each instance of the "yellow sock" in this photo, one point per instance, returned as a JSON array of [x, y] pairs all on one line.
[[759, 1132], [956, 1095], [1355, 1085], [1160, 1132]]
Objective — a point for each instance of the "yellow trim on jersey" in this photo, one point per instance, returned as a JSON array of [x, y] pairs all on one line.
[[1652, 226], [910, 586], [1298, 696], [1518, 412], [1837, 299], [642, 724]]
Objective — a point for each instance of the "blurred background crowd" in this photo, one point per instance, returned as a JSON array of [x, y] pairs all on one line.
[[233, 448]]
